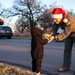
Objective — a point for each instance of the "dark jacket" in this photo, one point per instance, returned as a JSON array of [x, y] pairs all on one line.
[[37, 43], [69, 29]]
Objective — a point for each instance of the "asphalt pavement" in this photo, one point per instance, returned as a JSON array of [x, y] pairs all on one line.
[[17, 52]]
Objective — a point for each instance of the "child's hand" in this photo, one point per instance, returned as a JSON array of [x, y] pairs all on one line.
[[46, 36], [50, 39]]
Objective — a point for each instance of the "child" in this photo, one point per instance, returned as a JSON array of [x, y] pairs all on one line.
[[37, 43]]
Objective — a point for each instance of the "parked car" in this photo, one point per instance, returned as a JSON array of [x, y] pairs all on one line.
[[5, 31]]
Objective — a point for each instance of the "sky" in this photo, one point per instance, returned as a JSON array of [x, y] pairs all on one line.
[[67, 4], [6, 3]]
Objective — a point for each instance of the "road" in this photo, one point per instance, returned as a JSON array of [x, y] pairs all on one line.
[[17, 52]]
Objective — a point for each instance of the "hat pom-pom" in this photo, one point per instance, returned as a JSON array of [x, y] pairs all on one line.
[[65, 20]]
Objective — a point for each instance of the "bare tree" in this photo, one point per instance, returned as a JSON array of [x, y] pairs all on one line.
[[31, 9], [22, 23], [45, 19]]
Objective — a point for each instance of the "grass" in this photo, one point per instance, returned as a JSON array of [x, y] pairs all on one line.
[[12, 70]]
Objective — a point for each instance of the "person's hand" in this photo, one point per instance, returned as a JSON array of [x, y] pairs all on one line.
[[50, 39], [46, 35]]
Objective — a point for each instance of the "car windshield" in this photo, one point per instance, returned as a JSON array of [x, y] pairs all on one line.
[[5, 28]]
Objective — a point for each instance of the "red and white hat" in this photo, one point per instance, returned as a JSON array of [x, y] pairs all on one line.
[[59, 13]]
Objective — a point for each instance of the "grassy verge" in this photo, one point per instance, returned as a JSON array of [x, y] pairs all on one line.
[[6, 69]]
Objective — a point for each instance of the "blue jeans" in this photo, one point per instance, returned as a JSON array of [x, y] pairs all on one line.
[[68, 52]]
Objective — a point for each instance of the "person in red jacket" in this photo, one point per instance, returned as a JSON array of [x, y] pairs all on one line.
[[37, 50]]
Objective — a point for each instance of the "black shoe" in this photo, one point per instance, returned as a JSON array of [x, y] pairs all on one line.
[[63, 69]]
